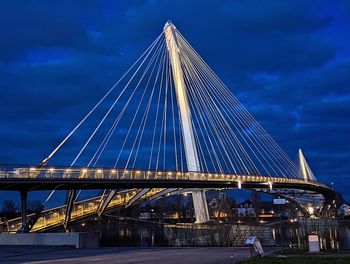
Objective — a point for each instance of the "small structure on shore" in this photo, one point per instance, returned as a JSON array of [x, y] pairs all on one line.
[[246, 209]]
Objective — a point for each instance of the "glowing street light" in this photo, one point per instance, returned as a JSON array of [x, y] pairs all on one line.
[[311, 210], [270, 185]]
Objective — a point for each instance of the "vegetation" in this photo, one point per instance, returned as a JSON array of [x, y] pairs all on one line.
[[9, 207], [299, 260], [339, 199]]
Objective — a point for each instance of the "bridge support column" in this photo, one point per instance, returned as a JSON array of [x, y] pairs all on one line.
[[24, 195], [70, 204], [105, 202]]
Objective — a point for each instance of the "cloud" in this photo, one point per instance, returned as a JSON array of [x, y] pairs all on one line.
[[282, 60]]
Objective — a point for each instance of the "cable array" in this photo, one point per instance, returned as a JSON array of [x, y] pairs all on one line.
[[137, 123]]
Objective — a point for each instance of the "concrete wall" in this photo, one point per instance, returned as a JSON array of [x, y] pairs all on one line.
[[221, 235], [78, 240]]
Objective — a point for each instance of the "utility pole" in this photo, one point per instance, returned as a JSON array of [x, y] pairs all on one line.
[[280, 201], [24, 195], [281, 228]]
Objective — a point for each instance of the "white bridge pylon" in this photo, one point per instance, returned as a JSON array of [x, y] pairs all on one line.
[[199, 200], [305, 168]]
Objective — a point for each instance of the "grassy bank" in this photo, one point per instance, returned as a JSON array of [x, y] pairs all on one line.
[[299, 260]]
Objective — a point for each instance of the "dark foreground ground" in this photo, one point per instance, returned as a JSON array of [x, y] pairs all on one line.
[[203, 255], [334, 259], [301, 256]]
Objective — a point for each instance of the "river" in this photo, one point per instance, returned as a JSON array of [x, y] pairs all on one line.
[[333, 234]]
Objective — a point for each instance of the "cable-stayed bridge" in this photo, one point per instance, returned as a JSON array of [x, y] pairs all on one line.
[[169, 122]]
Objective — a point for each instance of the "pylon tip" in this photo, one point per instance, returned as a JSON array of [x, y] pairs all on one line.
[[169, 24]]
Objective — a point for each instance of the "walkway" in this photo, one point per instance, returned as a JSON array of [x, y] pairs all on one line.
[[124, 255]]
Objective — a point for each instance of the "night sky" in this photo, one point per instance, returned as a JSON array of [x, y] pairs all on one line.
[[288, 62]]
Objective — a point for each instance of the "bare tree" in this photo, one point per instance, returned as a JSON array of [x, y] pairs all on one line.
[[9, 207]]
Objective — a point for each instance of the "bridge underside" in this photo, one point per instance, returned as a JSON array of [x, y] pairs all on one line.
[[303, 197], [306, 194]]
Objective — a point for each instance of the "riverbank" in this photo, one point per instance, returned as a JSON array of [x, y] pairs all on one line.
[[306, 258]]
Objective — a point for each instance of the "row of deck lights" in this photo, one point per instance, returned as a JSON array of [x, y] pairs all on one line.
[[113, 171], [244, 177]]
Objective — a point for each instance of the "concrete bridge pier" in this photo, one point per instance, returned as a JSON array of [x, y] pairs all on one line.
[[24, 196]]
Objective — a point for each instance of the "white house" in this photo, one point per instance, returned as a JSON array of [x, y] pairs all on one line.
[[246, 209], [344, 210]]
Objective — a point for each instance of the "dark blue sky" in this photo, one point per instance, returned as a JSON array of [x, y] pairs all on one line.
[[287, 61]]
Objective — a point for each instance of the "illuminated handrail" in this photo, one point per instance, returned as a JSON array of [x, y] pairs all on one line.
[[115, 174], [55, 216]]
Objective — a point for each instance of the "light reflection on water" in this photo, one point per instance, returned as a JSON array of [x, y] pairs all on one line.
[[333, 234]]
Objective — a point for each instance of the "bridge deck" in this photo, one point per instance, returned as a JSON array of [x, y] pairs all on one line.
[[32, 179]]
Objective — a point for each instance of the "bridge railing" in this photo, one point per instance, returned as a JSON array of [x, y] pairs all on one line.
[[117, 174], [55, 216]]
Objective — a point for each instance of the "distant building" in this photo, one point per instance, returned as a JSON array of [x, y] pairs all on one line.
[[148, 214], [151, 214], [219, 214], [245, 209], [188, 214], [172, 215], [213, 203], [344, 210], [145, 216], [266, 213]]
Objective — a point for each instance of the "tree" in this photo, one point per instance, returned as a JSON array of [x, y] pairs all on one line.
[[33, 205], [9, 207], [256, 201], [339, 199]]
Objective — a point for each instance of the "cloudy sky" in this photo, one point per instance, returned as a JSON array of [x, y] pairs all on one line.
[[288, 62]]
